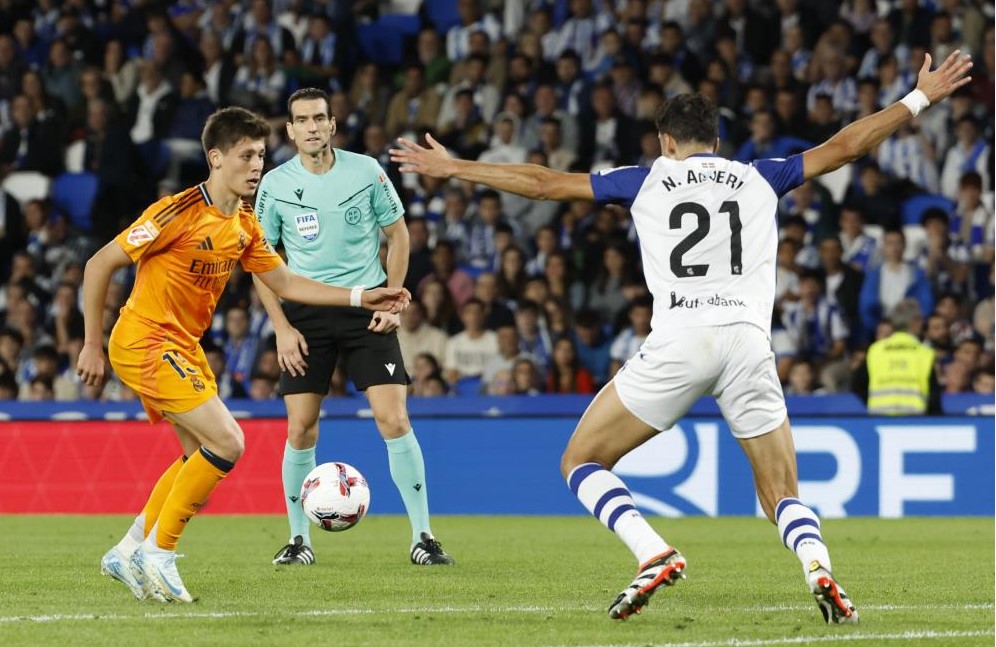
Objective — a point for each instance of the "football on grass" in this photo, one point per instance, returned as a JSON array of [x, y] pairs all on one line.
[[335, 496]]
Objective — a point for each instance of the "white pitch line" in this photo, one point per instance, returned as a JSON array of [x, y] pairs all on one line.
[[877, 607], [802, 640], [172, 615]]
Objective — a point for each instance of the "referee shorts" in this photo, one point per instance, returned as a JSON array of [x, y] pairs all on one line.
[[338, 331]]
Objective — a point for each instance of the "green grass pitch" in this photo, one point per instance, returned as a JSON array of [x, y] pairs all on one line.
[[519, 581]]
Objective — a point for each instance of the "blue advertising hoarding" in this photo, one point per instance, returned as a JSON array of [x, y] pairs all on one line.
[[857, 466]]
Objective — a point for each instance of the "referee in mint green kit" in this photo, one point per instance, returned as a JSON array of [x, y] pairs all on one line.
[[328, 207]]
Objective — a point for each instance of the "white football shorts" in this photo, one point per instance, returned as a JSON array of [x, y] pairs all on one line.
[[733, 363]]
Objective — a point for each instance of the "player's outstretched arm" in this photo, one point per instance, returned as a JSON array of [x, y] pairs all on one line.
[[528, 180], [96, 277], [863, 135], [294, 287]]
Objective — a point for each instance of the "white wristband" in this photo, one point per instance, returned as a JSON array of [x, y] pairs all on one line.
[[356, 296], [916, 101]]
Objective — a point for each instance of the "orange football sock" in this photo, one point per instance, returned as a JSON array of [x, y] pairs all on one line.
[[159, 494], [194, 484]]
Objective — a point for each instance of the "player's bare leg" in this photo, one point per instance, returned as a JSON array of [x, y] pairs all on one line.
[[390, 411], [221, 445], [606, 432], [303, 410], [772, 457]]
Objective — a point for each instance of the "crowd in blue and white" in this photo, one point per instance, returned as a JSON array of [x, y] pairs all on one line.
[[510, 296]]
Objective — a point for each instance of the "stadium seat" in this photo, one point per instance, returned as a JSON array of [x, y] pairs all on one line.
[[467, 386], [443, 14], [382, 44], [73, 195], [25, 186], [912, 209], [408, 25]]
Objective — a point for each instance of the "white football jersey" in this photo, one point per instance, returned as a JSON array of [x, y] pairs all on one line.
[[708, 235]]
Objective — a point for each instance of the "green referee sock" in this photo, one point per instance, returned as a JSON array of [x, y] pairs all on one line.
[[408, 471], [297, 464]]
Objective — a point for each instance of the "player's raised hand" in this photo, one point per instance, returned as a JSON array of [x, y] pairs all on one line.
[[433, 161], [948, 77], [386, 299], [291, 349], [90, 364], [384, 322]]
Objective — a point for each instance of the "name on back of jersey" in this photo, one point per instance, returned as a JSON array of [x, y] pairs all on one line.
[[719, 176]]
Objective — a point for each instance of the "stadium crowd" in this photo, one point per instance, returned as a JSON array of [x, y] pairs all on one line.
[[511, 296]]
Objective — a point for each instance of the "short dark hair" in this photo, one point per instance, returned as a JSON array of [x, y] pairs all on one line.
[[689, 118], [305, 94], [228, 126]]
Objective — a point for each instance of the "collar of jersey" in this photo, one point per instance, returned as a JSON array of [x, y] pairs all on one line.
[[704, 155]]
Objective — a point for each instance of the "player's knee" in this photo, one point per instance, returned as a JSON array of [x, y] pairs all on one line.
[[572, 457], [232, 444], [393, 423]]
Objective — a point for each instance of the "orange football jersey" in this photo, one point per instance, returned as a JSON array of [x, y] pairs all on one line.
[[186, 249]]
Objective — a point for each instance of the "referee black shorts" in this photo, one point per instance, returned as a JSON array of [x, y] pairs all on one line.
[[332, 331]]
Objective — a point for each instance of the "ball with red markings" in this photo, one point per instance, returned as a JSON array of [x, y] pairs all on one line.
[[335, 496]]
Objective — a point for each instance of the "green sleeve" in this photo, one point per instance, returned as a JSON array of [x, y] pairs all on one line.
[[386, 203], [266, 211]]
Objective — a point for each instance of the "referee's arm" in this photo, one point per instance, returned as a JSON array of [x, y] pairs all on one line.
[[397, 253]]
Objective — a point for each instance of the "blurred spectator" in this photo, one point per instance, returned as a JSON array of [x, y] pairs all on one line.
[[526, 377], [592, 345], [468, 352], [418, 337], [260, 25], [945, 272], [461, 127], [885, 286], [184, 137], [430, 54], [969, 154], [458, 283], [150, 113], [414, 107], [511, 276], [816, 327], [29, 145], [898, 377], [41, 369], [109, 153], [496, 375], [262, 387], [440, 309], [30, 48], [323, 52], [496, 314], [62, 75], [260, 84], [481, 248], [534, 338], [607, 135], [419, 254], [842, 282], [606, 296], [240, 346], [802, 379], [227, 387], [423, 369], [860, 250], [12, 68], [957, 378], [872, 198], [764, 141], [8, 387], [559, 275], [972, 221], [472, 19], [219, 69], [983, 381], [628, 342], [368, 95], [908, 155], [566, 375], [120, 72]]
